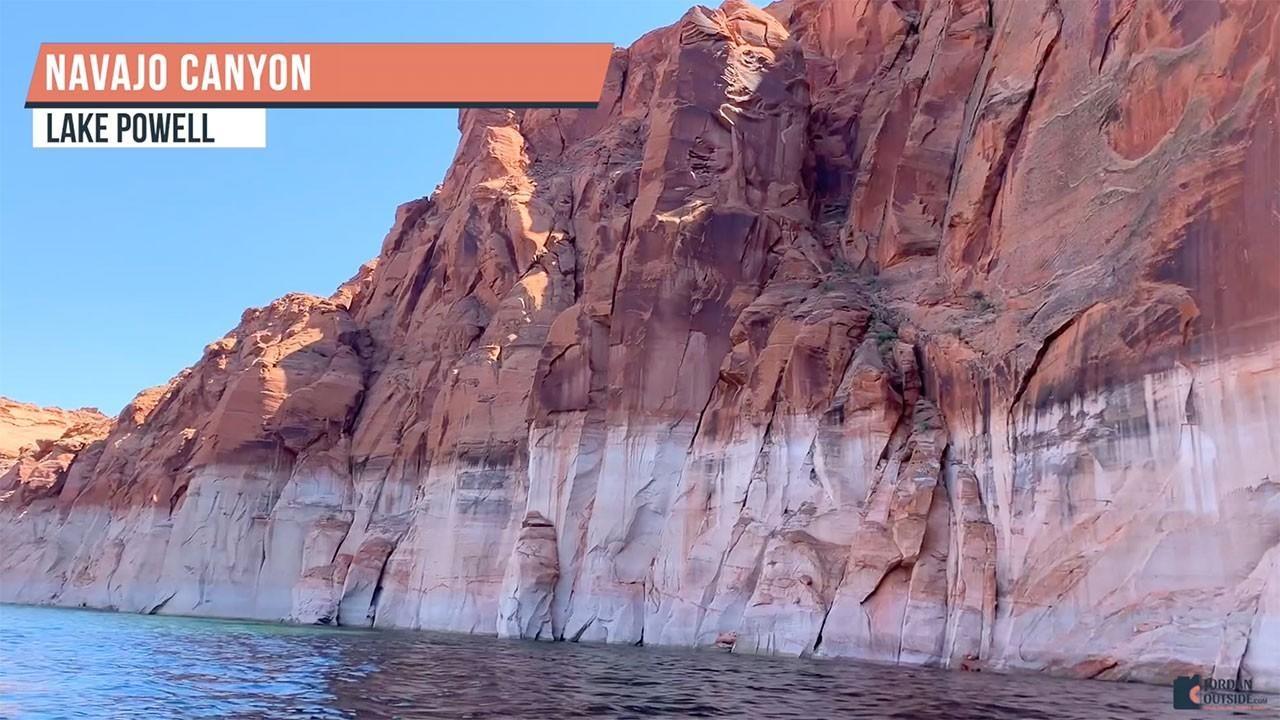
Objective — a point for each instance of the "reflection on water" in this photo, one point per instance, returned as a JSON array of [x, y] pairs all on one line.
[[81, 664]]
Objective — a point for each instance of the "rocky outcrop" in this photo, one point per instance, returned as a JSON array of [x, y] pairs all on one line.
[[532, 572], [29, 431], [941, 332]]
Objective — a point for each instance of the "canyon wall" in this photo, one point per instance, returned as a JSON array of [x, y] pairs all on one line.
[[923, 331], [26, 429]]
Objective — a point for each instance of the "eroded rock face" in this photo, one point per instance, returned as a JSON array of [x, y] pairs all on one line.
[[940, 332], [532, 572], [37, 444]]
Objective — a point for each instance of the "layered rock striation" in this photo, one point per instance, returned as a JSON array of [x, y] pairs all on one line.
[[929, 331]]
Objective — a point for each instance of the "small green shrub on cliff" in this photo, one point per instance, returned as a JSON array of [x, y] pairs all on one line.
[[886, 336], [982, 302]]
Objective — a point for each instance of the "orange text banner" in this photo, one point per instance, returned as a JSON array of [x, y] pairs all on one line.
[[318, 74]]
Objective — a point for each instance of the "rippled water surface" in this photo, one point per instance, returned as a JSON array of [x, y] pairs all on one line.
[[82, 664]]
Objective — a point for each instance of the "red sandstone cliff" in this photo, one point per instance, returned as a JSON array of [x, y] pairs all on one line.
[[928, 331], [44, 440]]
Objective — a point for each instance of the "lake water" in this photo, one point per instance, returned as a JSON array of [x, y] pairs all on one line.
[[58, 663]]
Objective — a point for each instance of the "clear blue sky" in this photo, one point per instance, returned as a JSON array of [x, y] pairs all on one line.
[[118, 266]]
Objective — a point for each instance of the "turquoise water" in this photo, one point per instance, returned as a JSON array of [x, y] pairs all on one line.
[[58, 664]]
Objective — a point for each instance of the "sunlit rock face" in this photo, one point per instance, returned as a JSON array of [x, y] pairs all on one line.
[[33, 434], [942, 332]]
